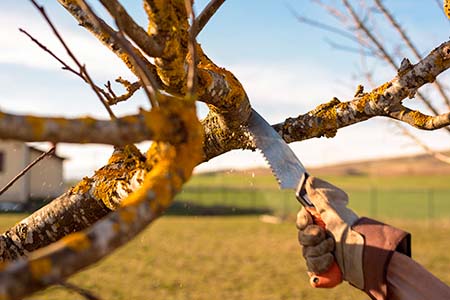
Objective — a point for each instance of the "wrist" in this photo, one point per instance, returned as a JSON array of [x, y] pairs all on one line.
[[380, 242]]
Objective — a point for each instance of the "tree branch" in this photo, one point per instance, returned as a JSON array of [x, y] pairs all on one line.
[[207, 13], [80, 15], [132, 29], [411, 46], [147, 125], [387, 98]]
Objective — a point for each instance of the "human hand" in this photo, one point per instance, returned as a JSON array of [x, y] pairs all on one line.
[[339, 241]]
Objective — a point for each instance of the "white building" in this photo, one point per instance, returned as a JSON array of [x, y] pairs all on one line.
[[43, 181]]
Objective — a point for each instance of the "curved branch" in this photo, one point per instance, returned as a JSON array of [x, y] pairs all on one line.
[[420, 120]]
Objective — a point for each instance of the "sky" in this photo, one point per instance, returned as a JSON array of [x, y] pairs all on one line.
[[286, 68]]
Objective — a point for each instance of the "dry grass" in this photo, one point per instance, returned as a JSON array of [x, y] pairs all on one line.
[[227, 258]]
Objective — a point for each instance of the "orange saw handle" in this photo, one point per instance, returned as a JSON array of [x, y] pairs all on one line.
[[333, 276]]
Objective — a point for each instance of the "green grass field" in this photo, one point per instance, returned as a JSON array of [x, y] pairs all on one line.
[[406, 197], [226, 258], [240, 257]]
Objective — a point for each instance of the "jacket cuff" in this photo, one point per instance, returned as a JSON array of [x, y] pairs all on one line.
[[380, 242]]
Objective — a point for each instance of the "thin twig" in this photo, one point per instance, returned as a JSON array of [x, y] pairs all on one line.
[[81, 67], [206, 15], [148, 81], [386, 56], [325, 27], [361, 51], [26, 169]]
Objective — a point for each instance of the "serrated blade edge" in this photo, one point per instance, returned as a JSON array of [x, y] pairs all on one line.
[[283, 162]]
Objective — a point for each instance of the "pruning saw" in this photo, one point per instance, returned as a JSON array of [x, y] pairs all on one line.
[[290, 174]]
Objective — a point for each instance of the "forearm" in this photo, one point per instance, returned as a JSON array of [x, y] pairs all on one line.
[[407, 280]]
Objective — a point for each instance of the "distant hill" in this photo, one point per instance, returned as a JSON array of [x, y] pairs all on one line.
[[405, 165]]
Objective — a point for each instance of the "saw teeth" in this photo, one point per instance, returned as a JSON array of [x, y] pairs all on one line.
[[271, 168]]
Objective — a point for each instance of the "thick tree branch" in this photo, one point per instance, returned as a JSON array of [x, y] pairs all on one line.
[[164, 17], [147, 125]]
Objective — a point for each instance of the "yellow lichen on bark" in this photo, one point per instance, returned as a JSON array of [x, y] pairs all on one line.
[[447, 8], [328, 116], [171, 165], [373, 96], [108, 178], [82, 187], [40, 267], [418, 119], [77, 241], [229, 99], [168, 25]]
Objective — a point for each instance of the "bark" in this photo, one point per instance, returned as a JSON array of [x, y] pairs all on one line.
[[147, 125]]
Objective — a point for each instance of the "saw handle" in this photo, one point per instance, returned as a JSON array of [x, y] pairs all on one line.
[[333, 276]]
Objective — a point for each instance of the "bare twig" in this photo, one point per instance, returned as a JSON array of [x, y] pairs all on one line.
[[326, 27], [361, 51], [81, 67], [110, 96], [149, 83], [206, 15], [130, 87], [26, 169], [385, 55]]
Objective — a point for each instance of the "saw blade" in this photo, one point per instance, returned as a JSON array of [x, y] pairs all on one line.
[[283, 162]]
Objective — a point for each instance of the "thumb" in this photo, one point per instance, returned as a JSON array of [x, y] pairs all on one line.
[[323, 194], [330, 202]]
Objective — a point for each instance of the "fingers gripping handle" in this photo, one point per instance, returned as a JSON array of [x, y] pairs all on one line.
[[333, 276]]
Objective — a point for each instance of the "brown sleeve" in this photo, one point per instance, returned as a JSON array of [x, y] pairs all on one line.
[[380, 242], [407, 280]]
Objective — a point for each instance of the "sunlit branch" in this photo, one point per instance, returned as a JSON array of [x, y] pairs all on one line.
[[102, 35], [207, 14], [131, 28], [130, 129], [410, 45]]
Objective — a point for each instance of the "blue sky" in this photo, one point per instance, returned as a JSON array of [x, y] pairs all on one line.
[[286, 67]]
